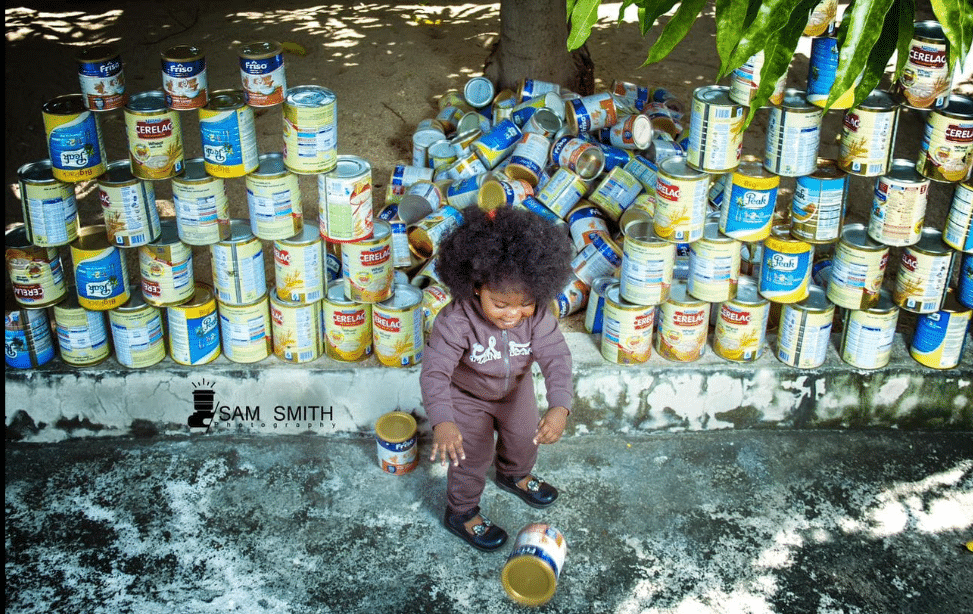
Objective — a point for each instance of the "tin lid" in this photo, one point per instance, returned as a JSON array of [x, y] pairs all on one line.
[[547, 120], [796, 100], [442, 149], [404, 296], [37, 172], [336, 295], [258, 50], [426, 137], [136, 302], [712, 234], [641, 131], [470, 121], [68, 104], [97, 53], [118, 171], [752, 166], [308, 96], [71, 303], [183, 53], [816, 300], [528, 579], [931, 242], [150, 101], [309, 234], [16, 237], [224, 100], [747, 293], [857, 235], [240, 232], [194, 170], [270, 165], [600, 285], [828, 169], [644, 232], [350, 167], [395, 427], [928, 31], [714, 94], [92, 238], [630, 216], [478, 91], [590, 162], [677, 167], [168, 235], [885, 303], [905, 171], [203, 295], [959, 106], [878, 100]]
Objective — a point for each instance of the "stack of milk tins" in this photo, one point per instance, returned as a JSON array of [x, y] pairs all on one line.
[[103, 309]]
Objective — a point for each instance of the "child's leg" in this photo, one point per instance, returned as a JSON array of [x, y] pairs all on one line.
[[464, 484], [517, 420]]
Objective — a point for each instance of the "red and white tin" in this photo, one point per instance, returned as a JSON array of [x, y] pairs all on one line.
[[347, 327], [367, 267], [397, 330], [946, 150], [741, 327], [36, 273], [923, 274], [681, 195], [626, 336], [867, 135], [683, 326]]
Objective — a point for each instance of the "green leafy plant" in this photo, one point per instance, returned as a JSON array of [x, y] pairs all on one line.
[[871, 31]]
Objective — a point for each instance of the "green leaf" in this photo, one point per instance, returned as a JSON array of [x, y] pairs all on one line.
[[860, 29], [583, 17], [956, 18], [652, 10], [900, 16], [621, 10], [730, 22], [675, 30], [906, 12], [771, 17]]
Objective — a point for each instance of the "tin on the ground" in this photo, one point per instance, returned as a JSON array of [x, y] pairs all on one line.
[[531, 572], [397, 441]]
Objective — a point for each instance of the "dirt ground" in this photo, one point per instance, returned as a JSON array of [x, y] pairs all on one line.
[[386, 63]]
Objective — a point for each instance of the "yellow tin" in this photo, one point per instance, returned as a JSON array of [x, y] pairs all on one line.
[[347, 327], [202, 207], [229, 135], [100, 270], [245, 330], [49, 206], [137, 333], [239, 277], [166, 266], [626, 337], [128, 203], [683, 326], [741, 326], [82, 334], [310, 129], [714, 266], [155, 149], [366, 266], [194, 331], [345, 200], [298, 329], [397, 327], [274, 199], [36, 273], [532, 570], [299, 266], [396, 438]]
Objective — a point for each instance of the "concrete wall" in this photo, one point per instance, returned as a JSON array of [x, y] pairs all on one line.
[[324, 397]]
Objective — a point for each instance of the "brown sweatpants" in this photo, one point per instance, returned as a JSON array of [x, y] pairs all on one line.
[[514, 418]]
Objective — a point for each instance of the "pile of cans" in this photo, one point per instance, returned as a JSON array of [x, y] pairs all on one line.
[[334, 290]]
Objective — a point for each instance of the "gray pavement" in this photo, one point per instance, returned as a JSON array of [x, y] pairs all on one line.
[[745, 521]]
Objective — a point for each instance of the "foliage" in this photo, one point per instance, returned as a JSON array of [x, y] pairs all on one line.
[[871, 31]]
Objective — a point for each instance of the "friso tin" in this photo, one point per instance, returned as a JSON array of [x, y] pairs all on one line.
[[184, 77], [101, 77], [74, 142], [155, 148], [262, 73], [310, 129], [49, 206], [397, 442], [532, 570], [229, 135]]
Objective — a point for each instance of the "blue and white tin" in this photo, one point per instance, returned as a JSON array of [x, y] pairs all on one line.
[[958, 232], [497, 144], [594, 316], [964, 290], [939, 337], [600, 258], [28, 342]]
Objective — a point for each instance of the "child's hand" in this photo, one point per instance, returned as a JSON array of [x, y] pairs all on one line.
[[551, 426], [447, 441]]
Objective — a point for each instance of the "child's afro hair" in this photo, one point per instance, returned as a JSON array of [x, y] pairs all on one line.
[[505, 249]]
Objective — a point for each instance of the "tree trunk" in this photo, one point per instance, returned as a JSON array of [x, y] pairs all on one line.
[[533, 45]]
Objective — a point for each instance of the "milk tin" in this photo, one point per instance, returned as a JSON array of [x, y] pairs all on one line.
[[100, 270], [715, 130], [131, 215], [584, 222], [532, 88], [402, 256], [82, 334], [741, 326], [591, 113], [154, 132], [647, 266], [745, 81], [925, 81], [626, 337], [202, 206], [298, 329], [274, 199], [423, 197], [499, 192], [262, 73], [749, 200], [946, 150], [194, 331], [683, 326], [785, 270], [899, 205], [867, 135], [822, 69], [578, 155], [958, 232], [600, 258], [166, 266], [868, 334], [616, 192], [397, 327], [714, 266], [529, 157], [101, 77], [367, 267], [184, 77], [137, 334], [299, 266], [403, 176], [498, 143], [923, 273], [964, 289], [434, 298], [28, 342], [310, 121], [822, 19], [36, 273], [422, 139], [396, 438], [426, 236], [793, 136], [562, 191], [245, 330], [680, 209], [49, 206], [74, 142], [939, 337], [531, 572], [804, 333], [345, 200], [228, 134], [347, 327], [818, 207], [631, 132], [478, 92], [594, 316], [857, 269], [239, 277]]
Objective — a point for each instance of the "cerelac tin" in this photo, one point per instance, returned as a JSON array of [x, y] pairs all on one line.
[[397, 327], [239, 277], [920, 281], [100, 270], [245, 330], [741, 326], [396, 438], [36, 273], [683, 326], [626, 336], [868, 334], [347, 327]]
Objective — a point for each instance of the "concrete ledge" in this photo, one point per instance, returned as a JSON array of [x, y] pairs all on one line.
[[57, 401]]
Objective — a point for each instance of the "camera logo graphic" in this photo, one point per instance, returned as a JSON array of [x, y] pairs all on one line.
[[204, 405]]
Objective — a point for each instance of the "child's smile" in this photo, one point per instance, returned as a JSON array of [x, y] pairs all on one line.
[[506, 309]]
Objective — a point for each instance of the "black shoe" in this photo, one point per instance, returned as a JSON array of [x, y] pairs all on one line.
[[539, 493], [486, 536]]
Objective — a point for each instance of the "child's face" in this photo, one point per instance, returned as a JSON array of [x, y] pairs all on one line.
[[505, 309]]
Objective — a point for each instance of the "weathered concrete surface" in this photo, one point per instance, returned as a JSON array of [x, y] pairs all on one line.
[[57, 401], [736, 522]]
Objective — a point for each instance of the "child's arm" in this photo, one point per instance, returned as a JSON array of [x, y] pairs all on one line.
[[554, 358], [442, 353], [552, 425]]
